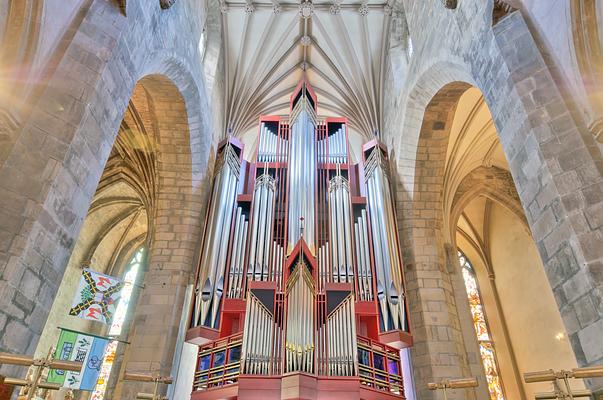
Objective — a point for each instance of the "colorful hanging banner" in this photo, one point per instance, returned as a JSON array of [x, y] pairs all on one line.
[[96, 297], [79, 347], [105, 372]]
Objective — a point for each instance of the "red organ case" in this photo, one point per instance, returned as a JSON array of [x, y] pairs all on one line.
[[300, 290]]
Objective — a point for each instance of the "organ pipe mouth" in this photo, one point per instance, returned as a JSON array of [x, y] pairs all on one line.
[[338, 181], [266, 180]]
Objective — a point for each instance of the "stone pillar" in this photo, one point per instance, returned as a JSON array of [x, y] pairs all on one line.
[[439, 349], [557, 168], [49, 174], [174, 242]]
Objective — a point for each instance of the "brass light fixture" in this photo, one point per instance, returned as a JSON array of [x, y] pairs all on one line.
[[156, 379], [453, 384], [565, 392], [39, 364]]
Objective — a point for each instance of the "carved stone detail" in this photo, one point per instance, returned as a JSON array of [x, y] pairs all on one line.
[[451, 4], [363, 10], [306, 9], [165, 4], [122, 6], [500, 10], [305, 40], [249, 8]]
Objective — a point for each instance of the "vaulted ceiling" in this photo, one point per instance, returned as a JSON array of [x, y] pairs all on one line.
[[339, 45]]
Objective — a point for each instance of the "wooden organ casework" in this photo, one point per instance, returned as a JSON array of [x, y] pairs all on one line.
[[300, 291]]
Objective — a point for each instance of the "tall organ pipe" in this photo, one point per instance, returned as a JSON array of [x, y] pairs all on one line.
[[340, 222], [233, 252], [340, 241], [300, 317], [347, 221], [363, 227], [333, 276], [302, 178], [211, 279], [365, 283], [341, 339], [361, 281], [241, 259], [261, 141], [387, 261], [261, 227]]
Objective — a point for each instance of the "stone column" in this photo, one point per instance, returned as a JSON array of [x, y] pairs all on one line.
[[439, 349], [173, 252], [557, 168], [49, 173]]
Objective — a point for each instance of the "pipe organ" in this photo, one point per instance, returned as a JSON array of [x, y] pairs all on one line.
[[300, 285]]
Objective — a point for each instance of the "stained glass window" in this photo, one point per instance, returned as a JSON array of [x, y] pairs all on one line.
[[486, 346], [117, 323]]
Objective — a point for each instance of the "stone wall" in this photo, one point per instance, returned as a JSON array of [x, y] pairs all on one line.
[[555, 164], [55, 158]]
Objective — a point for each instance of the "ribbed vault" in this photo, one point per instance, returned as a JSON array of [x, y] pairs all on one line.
[[119, 217], [341, 46]]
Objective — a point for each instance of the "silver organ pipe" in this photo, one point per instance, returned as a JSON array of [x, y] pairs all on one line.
[[387, 262], [257, 348], [236, 243], [302, 177], [237, 255], [271, 147], [210, 284], [340, 222], [333, 148], [365, 279], [323, 266], [300, 314], [359, 261], [341, 336], [264, 139], [261, 228], [276, 271], [241, 259]]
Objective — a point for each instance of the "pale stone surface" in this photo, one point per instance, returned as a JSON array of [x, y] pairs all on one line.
[[53, 166], [52, 160], [555, 167]]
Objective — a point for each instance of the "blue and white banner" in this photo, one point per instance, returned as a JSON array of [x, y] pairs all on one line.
[[79, 347]]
